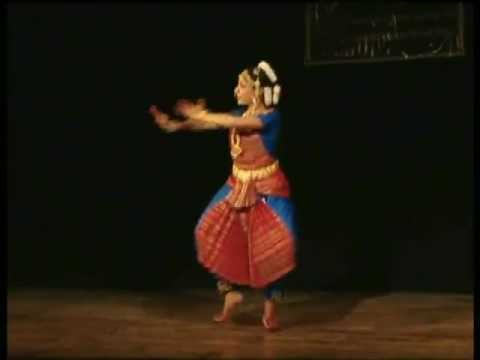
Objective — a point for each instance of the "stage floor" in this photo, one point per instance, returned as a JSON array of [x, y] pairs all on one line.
[[119, 324]]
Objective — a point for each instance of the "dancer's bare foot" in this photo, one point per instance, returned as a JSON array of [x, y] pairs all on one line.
[[270, 318], [232, 299]]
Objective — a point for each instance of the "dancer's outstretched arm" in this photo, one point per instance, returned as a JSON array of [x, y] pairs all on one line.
[[171, 125], [224, 120]]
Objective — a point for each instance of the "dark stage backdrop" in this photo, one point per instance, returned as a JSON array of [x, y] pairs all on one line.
[[379, 155]]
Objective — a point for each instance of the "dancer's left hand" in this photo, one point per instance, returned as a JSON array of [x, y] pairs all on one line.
[[190, 109]]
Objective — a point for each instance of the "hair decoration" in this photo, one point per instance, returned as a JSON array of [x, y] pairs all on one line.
[[267, 69], [276, 94], [267, 95]]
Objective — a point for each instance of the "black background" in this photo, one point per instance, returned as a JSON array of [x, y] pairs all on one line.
[[379, 155]]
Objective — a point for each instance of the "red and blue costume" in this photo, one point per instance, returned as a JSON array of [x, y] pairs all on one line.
[[246, 235]]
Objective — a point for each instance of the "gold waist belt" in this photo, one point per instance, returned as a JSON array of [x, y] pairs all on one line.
[[254, 174]]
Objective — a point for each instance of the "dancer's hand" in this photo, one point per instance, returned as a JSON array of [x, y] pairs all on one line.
[[161, 119], [190, 109]]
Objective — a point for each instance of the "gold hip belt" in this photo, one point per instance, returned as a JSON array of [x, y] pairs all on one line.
[[254, 174]]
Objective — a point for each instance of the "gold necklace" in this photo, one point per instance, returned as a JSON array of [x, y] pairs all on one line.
[[235, 141], [236, 149]]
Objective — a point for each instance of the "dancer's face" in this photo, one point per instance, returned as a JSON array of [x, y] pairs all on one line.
[[244, 91]]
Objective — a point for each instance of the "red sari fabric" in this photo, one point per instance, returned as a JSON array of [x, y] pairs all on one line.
[[247, 246]]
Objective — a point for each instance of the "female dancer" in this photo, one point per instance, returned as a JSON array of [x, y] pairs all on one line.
[[246, 235]]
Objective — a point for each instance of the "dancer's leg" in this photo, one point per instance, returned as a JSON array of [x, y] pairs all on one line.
[[232, 298], [273, 294]]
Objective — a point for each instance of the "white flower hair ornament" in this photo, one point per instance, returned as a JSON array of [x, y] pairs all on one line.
[[267, 95], [268, 71], [271, 94], [276, 94]]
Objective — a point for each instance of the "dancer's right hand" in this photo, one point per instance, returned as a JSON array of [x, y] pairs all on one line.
[[189, 108], [161, 119]]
